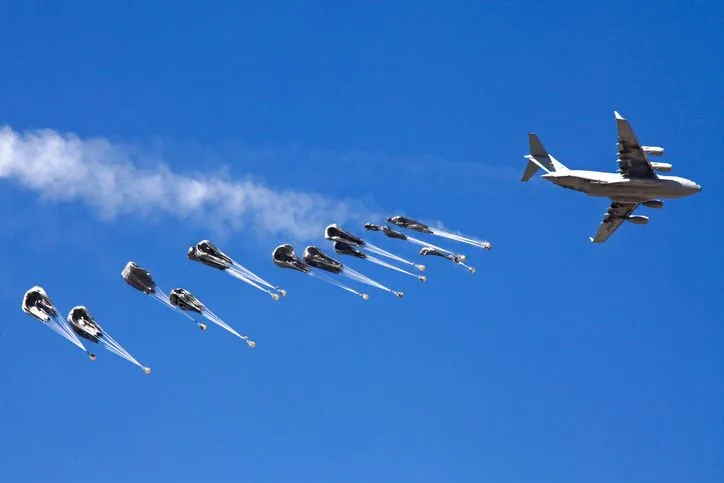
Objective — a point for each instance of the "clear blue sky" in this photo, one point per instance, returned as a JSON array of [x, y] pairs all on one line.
[[558, 361]]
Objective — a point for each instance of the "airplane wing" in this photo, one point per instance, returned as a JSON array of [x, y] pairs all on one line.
[[615, 215], [632, 161]]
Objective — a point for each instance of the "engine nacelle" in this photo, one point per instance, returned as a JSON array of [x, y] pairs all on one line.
[[666, 167], [653, 204], [638, 219], [653, 150]]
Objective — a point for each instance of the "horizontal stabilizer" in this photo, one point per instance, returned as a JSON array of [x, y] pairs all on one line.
[[530, 170]]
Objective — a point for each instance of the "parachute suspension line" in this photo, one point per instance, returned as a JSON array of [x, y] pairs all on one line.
[[60, 327], [241, 276], [355, 275], [379, 251], [113, 346], [461, 238], [425, 244], [393, 267], [161, 297], [252, 276], [332, 281], [217, 320], [468, 267]]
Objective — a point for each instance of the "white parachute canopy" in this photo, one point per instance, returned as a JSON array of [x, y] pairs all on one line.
[[37, 304], [82, 323]]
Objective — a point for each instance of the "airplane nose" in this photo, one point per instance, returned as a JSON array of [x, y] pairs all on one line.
[[698, 187]]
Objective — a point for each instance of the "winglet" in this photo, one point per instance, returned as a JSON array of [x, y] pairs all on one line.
[[618, 116]]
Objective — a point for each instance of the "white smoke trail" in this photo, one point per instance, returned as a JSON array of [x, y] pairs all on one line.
[[107, 177]]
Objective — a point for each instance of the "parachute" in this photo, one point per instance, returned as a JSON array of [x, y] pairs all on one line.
[[336, 234], [344, 249], [84, 325], [314, 257], [429, 251], [423, 228], [401, 236], [140, 279], [284, 256], [37, 304], [186, 302], [208, 254]]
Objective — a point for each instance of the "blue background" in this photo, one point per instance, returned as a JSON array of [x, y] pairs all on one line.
[[558, 360]]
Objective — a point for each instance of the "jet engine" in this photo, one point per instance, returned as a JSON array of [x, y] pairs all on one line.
[[653, 204], [638, 219], [653, 150], [661, 166]]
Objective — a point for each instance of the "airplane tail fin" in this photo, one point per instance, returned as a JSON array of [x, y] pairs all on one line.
[[540, 159]]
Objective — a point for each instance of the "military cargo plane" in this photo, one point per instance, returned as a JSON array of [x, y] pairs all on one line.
[[635, 183]]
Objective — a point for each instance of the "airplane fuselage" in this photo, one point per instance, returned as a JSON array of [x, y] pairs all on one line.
[[622, 189]]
